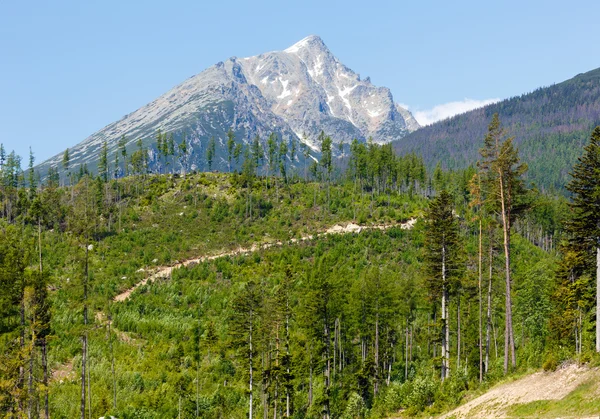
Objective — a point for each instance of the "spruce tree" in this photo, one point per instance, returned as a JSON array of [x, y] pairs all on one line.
[[210, 152], [257, 153], [183, 154], [442, 259], [230, 147], [123, 149], [65, 162], [103, 163], [584, 226], [247, 309]]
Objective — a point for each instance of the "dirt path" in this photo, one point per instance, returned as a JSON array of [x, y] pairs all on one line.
[[538, 386], [165, 271]]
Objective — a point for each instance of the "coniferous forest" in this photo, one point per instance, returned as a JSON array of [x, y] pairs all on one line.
[[362, 286]]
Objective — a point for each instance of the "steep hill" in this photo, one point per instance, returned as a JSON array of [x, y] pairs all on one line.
[[301, 90], [550, 125]]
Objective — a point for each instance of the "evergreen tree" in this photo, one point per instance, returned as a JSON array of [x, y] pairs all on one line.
[[584, 226], [237, 153], [247, 309], [66, 162], [326, 161], [257, 153], [123, 150], [31, 179], [503, 177], [283, 150], [443, 247], [183, 154], [210, 152], [230, 147], [103, 163], [170, 146], [2, 157], [160, 147], [306, 155]]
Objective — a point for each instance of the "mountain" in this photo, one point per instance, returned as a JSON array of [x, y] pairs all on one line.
[[301, 90], [550, 126]]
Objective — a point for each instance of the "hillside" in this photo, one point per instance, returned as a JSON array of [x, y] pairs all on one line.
[[241, 295], [550, 124]]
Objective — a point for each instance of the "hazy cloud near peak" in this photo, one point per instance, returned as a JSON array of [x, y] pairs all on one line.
[[446, 110]]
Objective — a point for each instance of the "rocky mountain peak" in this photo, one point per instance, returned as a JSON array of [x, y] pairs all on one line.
[[311, 44], [296, 93]]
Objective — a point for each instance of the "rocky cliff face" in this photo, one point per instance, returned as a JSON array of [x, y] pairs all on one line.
[[295, 93]]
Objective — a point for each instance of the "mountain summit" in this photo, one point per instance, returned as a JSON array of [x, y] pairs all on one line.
[[294, 93]]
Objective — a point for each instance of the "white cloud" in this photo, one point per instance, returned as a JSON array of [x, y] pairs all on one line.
[[449, 109]]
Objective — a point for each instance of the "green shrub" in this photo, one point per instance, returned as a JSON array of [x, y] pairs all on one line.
[[550, 363]]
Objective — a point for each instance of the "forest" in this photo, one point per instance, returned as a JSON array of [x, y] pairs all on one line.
[[550, 125], [495, 278]]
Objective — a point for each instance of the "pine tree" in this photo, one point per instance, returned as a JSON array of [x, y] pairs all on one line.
[[103, 163], [237, 153], [41, 305], [442, 244], [210, 152], [245, 322], [31, 179], [160, 146], [65, 163], [584, 226], [123, 149], [2, 157], [503, 178], [257, 153], [305, 154], [283, 150], [183, 154], [326, 161], [170, 145], [230, 147]]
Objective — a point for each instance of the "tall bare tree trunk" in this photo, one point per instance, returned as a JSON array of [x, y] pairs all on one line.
[[480, 302], [598, 299], [310, 380], [250, 383], [43, 339], [489, 310], [509, 341], [84, 338], [458, 332], [45, 378], [445, 329], [406, 355], [376, 383], [326, 411], [112, 360]]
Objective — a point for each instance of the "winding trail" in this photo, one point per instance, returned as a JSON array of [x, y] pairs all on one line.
[[165, 271]]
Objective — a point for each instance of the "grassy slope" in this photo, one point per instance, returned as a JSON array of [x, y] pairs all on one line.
[[177, 219]]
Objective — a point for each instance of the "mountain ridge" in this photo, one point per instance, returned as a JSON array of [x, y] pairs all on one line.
[[295, 93], [550, 125]]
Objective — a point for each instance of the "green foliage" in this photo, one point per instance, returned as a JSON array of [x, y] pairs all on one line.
[[346, 318]]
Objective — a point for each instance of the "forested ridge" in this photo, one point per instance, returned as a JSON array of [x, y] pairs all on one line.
[[550, 126], [495, 278]]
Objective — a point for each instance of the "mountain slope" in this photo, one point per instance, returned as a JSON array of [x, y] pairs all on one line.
[[550, 125], [302, 90]]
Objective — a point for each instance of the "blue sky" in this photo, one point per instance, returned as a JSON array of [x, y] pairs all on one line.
[[68, 68]]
